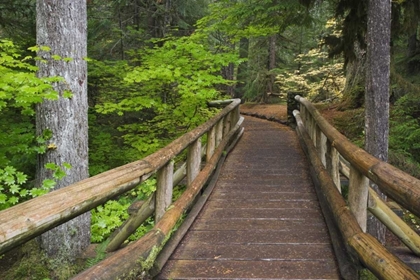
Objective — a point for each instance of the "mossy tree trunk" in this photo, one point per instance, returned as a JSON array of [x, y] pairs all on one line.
[[377, 92], [61, 25]]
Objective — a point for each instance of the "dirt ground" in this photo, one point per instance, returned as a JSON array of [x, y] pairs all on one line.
[[270, 111], [279, 111]]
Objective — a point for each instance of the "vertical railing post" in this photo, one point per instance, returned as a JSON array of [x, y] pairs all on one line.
[[332, 164], [313, 130], [303, 115], [164, 189], [211, 143], [193, 161], [320, 144], [292, 104], [358, 196], [234, 117], [226, 123], [219, 131]]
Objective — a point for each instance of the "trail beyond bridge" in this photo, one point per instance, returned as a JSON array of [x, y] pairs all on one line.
[[262, 220]]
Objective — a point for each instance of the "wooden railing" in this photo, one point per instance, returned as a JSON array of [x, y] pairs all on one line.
[[30, 219], [330, 154]]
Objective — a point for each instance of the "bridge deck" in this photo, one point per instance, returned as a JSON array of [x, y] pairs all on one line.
[[262, 220]]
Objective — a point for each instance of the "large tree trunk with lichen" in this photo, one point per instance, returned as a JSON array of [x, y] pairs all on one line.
[[377, 92], [61, 25]]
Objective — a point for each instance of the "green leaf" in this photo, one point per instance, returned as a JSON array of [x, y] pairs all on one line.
[[59, 174], [13, 200], [14, 189], [23, 192], [45, 48], [67, 94], [3, 198], [48, 184], [21, 178]]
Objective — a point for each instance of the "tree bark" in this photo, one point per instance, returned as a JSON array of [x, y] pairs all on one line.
[[377, 91], [242, 73], [271, 65], [353, 93], [413, 10], [61, 25]]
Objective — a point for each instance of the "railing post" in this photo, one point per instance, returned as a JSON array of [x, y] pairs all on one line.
[[193, 161], [226, 123], [234, 117], [303, 115], [358, 196], [211, 143], [219, 131], [320, 144], [292, 104], [313, 129], [164, 189], [332, 164]]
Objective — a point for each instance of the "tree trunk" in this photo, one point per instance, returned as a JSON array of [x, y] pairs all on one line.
[[228, 72], [413, 9], [354, 89], [377, 91], [242, 68], [61, 25], [271, 65]]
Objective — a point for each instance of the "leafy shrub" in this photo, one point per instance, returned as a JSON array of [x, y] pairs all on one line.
[[20, 90], [405, 127], [108, 217]]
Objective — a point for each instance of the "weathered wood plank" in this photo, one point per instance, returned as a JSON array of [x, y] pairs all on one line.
[[186, 269], [292, 196], [257, 203], [261, 213], [249, 252], [241, 224], [291, 235]]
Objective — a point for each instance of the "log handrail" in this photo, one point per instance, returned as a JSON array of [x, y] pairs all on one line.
[[29, 219], [320, 141], [400, 186]]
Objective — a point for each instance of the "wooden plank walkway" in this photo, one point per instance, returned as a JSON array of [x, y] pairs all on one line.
[[262, 220]]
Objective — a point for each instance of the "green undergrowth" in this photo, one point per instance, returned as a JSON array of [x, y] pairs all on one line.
[[32, 264], [404, 138], [365, 274]]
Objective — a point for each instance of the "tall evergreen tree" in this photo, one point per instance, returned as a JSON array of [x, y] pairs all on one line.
[[61, 26], [377, 91]]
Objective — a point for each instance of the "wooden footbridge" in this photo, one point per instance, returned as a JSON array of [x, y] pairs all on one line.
[[271, 208]]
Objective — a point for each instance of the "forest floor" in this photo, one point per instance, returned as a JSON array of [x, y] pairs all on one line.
[[278, 111]]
